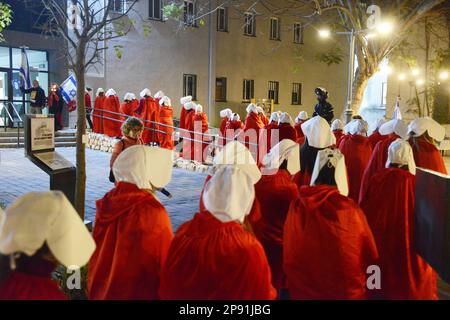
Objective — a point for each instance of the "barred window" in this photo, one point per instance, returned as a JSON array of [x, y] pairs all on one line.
[[248, 90], [250, 24], [298, 33], [274, 87], [297, 94], [189, 13], [274, 29], [190, 85], [222, 19], [155, 9]]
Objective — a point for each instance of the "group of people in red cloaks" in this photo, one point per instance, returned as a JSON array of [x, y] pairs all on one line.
[[307, 220], [155, 111]]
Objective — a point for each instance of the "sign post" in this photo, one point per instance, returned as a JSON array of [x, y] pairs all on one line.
[[40, 149]]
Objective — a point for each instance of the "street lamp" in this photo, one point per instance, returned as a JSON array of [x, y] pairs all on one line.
[[415, 72], [324, 33], [443, 75], [385, 27]]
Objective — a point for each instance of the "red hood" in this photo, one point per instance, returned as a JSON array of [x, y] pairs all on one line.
[[357, 138], [120, 200], [316, 196], [204, 223]]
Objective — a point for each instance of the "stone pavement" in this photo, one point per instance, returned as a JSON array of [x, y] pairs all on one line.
[[18, 176]]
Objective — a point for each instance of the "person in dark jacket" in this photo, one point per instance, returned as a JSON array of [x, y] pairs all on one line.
[[55, 105], [37, 98], [323, 108], [88, 106]]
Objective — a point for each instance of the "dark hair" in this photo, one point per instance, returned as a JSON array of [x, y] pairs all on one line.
[[357, 117], [308, 157], [284, 165], [326, 175], [88, 89]]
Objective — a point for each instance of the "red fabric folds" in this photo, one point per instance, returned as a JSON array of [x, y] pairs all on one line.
[[338, 134], [287, 132], [211, 260], [357, 152], [133, 234], [97, 114], [166, 117], [188, 144], [129, 108], [111, 126], [377, 162], [426, 155], [199, 147], [328, 246], [275, 194], [149, 113], [376, 137], [389, 207]]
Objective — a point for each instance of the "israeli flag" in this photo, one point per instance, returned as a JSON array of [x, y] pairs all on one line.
[[69, 89], [24, 71]]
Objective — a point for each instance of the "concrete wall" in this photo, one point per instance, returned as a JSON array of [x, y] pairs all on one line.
[[160, 60]]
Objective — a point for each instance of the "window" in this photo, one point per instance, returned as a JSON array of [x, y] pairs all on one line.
[[249, 90], [118, 6], [190, 85], [274, 29], [383, 94], [155, 10], [222, 19], [250, 25], [221, 89], [298, 33], [189, 13], [274, 87], [297, 94]]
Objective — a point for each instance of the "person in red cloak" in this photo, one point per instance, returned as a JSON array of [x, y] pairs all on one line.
[[424, 135], [200, 126], [184, 101], [188, 135], [301, 118], [285, 128], [128, 107], [376, 136], [212, 256], [273, 124], [391, 130], [158, 96], [111, 126], [328, 245], [338, 130], [55, 105], [250, 135], [40, 231], [132, 228], [233, 127], [225, 114], [166, 118], [275, 192], [149, 111], [389, 208], [262, 116], [318, 136], [97, 115], [357, 151]]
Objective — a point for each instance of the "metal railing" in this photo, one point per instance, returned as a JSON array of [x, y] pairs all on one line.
[[7, 114]]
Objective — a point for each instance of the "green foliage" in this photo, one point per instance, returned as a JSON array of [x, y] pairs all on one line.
[[5, 18], [147, 30], [174, 11], [332, 56], [118, 51], [2, 205]]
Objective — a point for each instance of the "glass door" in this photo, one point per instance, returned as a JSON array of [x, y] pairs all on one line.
[[5, 90]]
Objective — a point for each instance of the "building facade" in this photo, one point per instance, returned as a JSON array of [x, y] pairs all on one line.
[[225, 59]]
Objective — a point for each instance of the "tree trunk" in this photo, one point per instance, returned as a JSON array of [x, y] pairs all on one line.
[[359, 87], [80, 192], [427, 61]]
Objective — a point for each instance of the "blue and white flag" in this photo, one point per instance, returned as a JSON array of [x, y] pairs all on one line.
[[24, 71], [69, 89]]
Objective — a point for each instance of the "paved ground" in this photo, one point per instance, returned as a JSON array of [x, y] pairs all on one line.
[[18, 176]]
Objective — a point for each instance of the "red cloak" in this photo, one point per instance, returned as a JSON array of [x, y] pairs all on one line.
[[271, 126], [111, 126], [32, 283], [233, 127], [426, 155], [188, 143], [299, 131], [199, 147], [377, 162], [150, 115], [389, 208], [223, 125], [97, 114], [328, 246], [165, 117], [264, 119], [183, 118], [275, 194], [357, 152], [128, 108], [287, 132], [211, 260], [338, 134], [376, 137], [133, 234]]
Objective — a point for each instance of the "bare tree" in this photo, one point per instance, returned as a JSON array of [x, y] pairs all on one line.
[[85, 26]]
